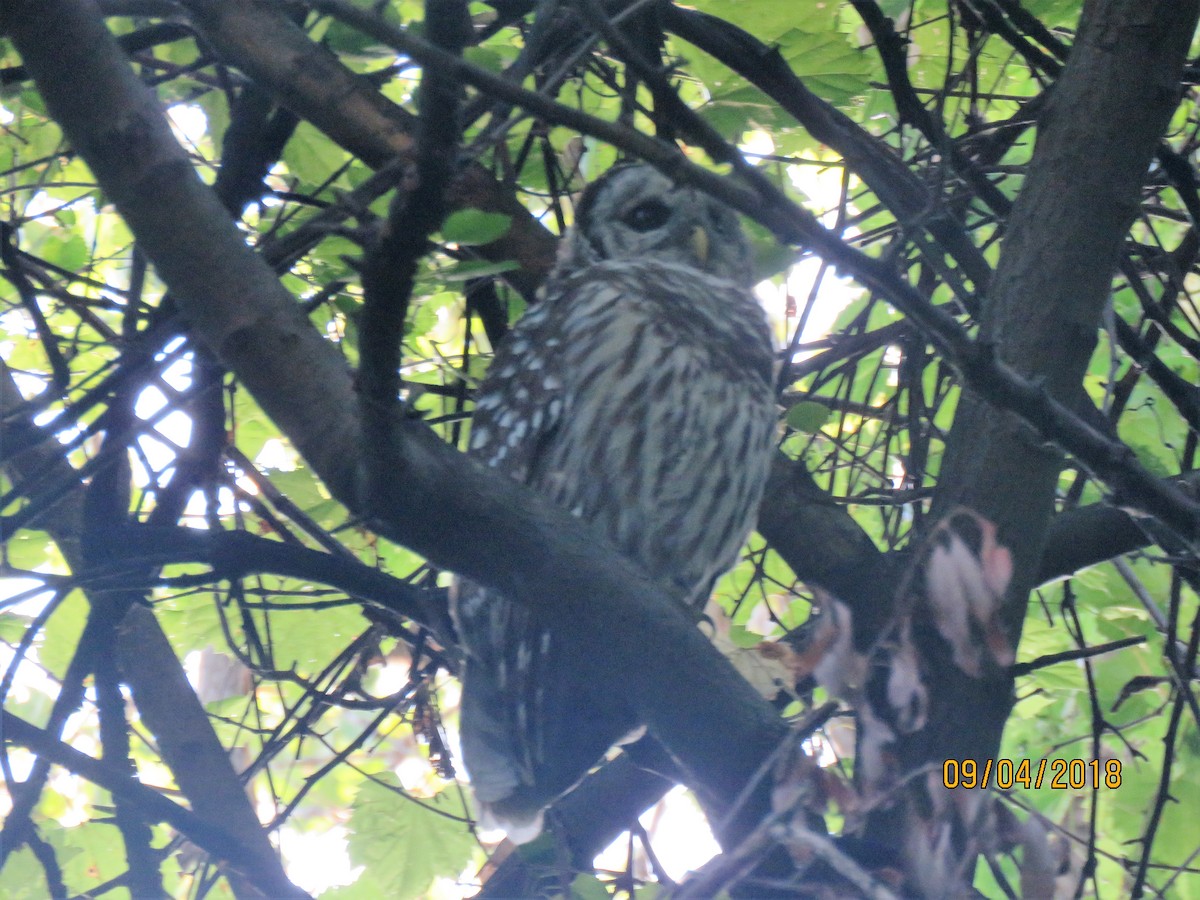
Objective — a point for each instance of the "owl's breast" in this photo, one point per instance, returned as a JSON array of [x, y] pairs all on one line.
[[669, 416]]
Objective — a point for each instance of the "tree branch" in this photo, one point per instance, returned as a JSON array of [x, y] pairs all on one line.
[[153, 806], [880, 168], [818, 538], [168, 705]]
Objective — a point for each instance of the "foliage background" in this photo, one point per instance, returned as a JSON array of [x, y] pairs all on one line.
[[139, 473]]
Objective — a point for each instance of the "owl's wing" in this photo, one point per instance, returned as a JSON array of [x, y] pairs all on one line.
[[518, 699], [521, 401]]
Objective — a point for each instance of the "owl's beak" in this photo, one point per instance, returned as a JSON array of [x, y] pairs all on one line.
[[700, 244]]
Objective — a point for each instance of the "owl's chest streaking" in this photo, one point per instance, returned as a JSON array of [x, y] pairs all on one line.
[[638, 395]]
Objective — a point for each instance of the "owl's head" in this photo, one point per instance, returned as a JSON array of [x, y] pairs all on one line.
[[636, 212]]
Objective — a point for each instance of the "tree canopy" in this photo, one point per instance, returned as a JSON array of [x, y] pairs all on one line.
[[254, 257]]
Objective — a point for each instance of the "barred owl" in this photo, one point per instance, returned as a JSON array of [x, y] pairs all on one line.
[[638, 395]]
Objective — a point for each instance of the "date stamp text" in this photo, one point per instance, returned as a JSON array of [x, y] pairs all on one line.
[[1056, 774]]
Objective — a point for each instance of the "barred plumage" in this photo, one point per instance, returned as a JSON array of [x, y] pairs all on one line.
[[638, 395]]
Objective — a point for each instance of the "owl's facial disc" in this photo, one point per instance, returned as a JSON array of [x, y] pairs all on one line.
[[636, 212]]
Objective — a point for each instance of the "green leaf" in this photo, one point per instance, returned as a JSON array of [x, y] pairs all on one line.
[[772, 19], [494, 57], [740, 637], [807, 416], [471, 227], [90, 854], [308, 639], [71, 254], [28, 549], [405, 845], [311, 156], [12, 627], [23, 877], [425, 318], [588, 887], [61, 634], [516, 308], [1151, 456]]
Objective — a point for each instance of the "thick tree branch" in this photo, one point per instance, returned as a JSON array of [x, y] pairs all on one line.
[[1087, 535], [105, 509], [417, 210], [817, 537], [1063, 242]]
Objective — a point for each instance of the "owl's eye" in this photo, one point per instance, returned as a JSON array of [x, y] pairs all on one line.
[[647, 216]]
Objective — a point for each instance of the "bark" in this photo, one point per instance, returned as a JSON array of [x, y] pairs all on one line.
[[1059, 256]]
